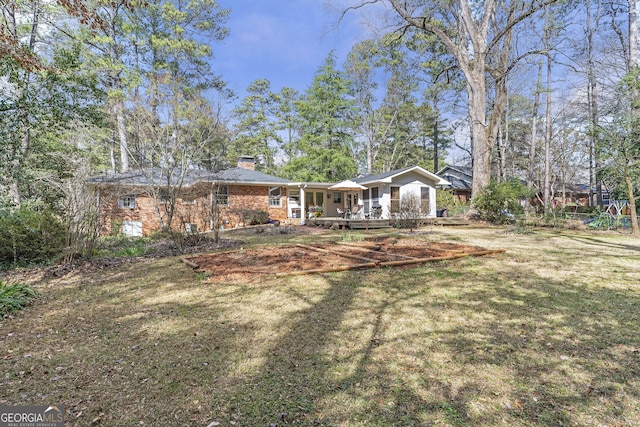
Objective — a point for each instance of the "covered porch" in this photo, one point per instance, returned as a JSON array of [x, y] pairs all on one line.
[[324, 201]]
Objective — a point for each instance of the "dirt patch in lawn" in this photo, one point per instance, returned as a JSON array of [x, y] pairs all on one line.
[[250, 264]]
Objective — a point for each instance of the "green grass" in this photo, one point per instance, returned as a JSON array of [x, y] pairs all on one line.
[[122, 246], [352, 237], [545, 334]]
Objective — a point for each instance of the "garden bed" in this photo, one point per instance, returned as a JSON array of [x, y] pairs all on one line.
[[299, 259]]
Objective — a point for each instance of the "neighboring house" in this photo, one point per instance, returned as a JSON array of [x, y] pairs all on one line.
[[460, 179], [572, 195], [134, 203]]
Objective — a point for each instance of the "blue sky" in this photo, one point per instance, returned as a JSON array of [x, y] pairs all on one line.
[[284, 41]]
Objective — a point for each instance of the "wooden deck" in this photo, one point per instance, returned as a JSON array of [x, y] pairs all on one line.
[[351, 223], [365, 224]]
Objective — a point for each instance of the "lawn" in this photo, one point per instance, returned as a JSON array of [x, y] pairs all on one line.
[[546, 334]]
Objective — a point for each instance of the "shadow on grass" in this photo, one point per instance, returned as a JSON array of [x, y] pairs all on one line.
[[447, 344], [572, 349], [606, 244]]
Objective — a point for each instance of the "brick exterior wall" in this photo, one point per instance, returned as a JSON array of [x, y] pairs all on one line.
[[195, 209], [243, 198]]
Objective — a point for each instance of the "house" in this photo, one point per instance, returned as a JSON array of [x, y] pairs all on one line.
[[460, 179], [571, 196], [138, 203]]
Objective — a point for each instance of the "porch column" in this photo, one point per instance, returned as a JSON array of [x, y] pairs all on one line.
[[303, 210]]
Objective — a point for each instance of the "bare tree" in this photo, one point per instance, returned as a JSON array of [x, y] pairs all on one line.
[[471, 31], [409, 211], [548, 34]]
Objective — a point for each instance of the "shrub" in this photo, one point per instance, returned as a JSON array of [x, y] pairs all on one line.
[[500, 202], [444, 198], [14, 297], [30, 237], [255, 217], [409, 212]]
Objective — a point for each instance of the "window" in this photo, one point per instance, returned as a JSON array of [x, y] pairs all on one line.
[[222, 196], [374, 196], [425, 206], [319, 199], [127, 201], [275, 197], [294, 197], [395, 199], [165, 196], [337, 197]]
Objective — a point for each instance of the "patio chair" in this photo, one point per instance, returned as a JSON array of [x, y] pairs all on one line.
[[356, 212], [341, 213]]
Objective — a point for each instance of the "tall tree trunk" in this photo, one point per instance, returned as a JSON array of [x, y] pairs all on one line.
[[534, 129], [112, 153], [122, 135], [118, 103], [635, 230], [482, 146], [496, 120], [501, 156], [634, 67], [436, 142], [20, 150], [547, 144], [595, 186], [633, 34]]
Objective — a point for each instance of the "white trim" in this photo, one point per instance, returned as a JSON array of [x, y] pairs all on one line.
[[433, 177]]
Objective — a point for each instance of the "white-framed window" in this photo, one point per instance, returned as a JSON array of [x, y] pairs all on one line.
[[425, 205], [275, 197], [294, 197], [127, 201], [222, 196], [375, 200], [395, 199]]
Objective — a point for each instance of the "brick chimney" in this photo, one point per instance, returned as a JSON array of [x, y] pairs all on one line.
[[247, 162]]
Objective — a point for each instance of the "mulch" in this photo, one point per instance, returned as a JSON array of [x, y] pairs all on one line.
[[250, 265]]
